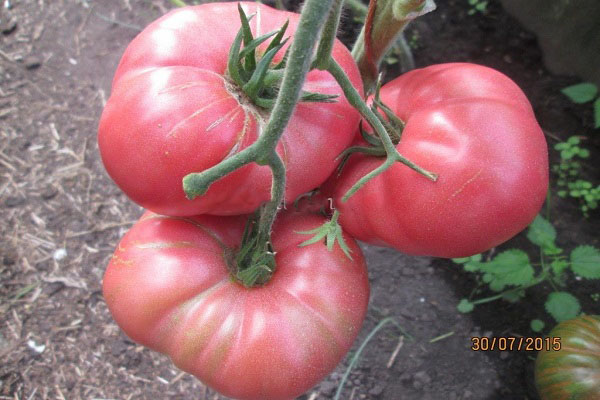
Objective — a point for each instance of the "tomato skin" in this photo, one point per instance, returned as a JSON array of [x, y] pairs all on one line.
[[573, 372], [475, 128], [173, 111], [169, 288]]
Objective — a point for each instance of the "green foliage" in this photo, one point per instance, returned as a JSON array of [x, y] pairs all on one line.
[[569, 183], [511, 273], [562, 306], [584, 93], [477, 6], [537, 325], [581, 92]]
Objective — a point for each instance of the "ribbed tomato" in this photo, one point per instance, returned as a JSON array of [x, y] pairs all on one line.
[[174, 110], [169, 287], [473, 127], [573, 372]]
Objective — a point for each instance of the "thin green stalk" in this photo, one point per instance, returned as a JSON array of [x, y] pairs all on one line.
[[268, 213], [354, 360], [299, 60], [355, 99], [358, 7], [537, 281], [263, 151], [328, 36], [312, 19], [178, 3]]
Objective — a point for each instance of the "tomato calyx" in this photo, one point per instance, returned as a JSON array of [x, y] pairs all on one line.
[[259, 78], [254, 263], [331, 232]]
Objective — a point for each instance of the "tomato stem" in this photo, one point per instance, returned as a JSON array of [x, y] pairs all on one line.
[[355, 99], [328, 36], [256, 263], [386, 21]]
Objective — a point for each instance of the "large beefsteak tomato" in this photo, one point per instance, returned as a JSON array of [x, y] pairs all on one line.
[[169, 287], [473, 127], [173, 110]]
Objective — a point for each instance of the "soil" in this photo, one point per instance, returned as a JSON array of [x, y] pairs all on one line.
[[63, 217]]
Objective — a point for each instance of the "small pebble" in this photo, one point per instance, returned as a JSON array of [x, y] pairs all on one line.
[[32, 62], [8, 25]]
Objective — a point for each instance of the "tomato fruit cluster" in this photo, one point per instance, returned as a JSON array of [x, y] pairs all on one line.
[[178, 281]]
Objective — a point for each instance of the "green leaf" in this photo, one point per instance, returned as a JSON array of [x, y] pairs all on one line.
[[473, 266], [558, 266], [581, 92], [465, 306], [542, 233], [585, 262], [511, 267], [497, 285], [513, 296], [597, 113], [562, 306], [464, 260], [584, 153], [537, 325]]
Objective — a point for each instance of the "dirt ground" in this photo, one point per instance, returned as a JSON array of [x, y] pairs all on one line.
[[63, 217]]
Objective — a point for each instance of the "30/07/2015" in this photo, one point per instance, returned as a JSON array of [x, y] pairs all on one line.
[[511, 343]]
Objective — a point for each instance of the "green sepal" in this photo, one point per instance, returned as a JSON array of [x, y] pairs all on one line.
[[372, 140], [253, 86], [277, 39], [312, 97], [331, 231], [234, 67], [250, 62], [253, 265], [249, 48], [281, 64]]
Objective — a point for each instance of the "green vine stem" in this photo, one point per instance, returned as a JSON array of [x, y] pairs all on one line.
[[355, 99], [328, 36], [312, 20], [385, 22]]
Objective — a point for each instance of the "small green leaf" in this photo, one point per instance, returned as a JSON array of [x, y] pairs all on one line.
[[497, 285], [562, 306], [465, 306], [597, 113], [472, 266], [581, 92], [585, 262], [537, 325], [558, 266], [584, 153], [542, 233], [511, 267], [573, 140], [463, 260], [561, 146]]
